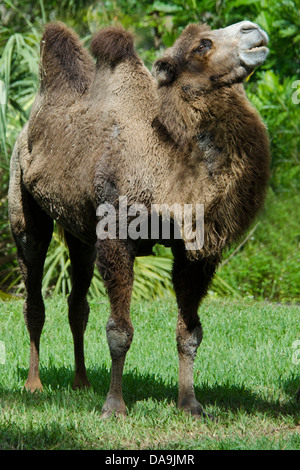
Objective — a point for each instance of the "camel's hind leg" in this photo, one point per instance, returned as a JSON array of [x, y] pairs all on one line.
[[115, 262], [191, 280], [82, 261], [32, 231]]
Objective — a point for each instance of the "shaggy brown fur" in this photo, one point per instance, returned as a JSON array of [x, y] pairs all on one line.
[[112, 45], [95, 133], [64, 62]]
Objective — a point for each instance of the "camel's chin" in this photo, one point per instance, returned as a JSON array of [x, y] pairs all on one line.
[[254, 57]]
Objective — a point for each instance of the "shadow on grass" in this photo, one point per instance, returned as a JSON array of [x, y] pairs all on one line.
[[51, 437], [58, 395], [139, 387]]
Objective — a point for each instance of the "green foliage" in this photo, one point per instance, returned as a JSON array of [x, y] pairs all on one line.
[[273, 97], [152, 274], [265, 266], [18, 71]]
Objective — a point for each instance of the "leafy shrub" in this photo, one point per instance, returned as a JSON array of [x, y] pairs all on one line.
[[267, 266], [273, 98], [152, 274]]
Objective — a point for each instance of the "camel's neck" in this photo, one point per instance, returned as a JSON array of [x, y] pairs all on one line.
[[221, 160], [185, 113]]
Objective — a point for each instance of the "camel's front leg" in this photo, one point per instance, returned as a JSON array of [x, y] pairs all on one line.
[[115, 262], [191, 280]]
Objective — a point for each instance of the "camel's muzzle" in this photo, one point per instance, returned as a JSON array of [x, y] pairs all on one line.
[[253, 50], [252, 42]]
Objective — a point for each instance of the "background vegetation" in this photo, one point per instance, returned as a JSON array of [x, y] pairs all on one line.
[[265, 265]]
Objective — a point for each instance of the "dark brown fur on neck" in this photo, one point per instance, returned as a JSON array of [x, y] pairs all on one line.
[[223, 130]]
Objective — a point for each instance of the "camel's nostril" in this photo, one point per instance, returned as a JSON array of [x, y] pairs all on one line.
[[248, 29]]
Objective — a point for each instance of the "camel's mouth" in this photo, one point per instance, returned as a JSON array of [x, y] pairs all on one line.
[[259, 46], [253, 51], [254, 56], [259, 49]]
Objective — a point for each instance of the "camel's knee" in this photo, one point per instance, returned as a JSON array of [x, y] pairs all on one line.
[[119, 337], [189, 341]]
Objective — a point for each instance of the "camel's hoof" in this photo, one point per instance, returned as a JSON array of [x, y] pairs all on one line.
[[81, 383], [33, 385], [113, 413], [206, 416], [194, 408], [114, 407]]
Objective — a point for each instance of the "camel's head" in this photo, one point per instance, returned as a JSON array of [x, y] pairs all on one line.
[[209, 58]]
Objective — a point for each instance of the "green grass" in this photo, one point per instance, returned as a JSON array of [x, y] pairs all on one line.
[[245, 375]]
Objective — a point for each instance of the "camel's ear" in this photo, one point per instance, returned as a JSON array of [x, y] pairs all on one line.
[[165, 70]]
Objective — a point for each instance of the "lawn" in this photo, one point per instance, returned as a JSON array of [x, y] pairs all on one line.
[[246, 375]]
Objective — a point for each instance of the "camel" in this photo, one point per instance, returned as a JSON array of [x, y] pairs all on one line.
[[106, 128]]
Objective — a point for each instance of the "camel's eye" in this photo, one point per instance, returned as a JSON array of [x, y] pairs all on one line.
[[204, 46]]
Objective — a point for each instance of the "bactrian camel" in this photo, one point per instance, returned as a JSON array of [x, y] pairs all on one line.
[[108, 128]]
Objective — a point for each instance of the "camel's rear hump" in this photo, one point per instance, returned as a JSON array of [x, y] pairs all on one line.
[[113, 45], [66, 66]]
